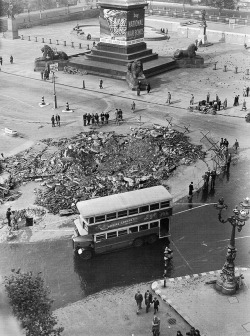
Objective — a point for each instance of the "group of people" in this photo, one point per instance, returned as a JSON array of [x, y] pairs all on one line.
[[148, 298], [12, 220], [246, 91], [45, 74], [95, 119], [139, 87], [56, 120]]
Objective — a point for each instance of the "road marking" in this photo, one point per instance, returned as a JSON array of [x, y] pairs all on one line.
[[235, 239], [20, 101], [182, 257], [203, 205]]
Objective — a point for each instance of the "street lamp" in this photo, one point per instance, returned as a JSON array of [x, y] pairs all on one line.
[[54, 91], [227, 283]]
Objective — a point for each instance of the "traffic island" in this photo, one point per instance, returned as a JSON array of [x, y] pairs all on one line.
[[195, 299]]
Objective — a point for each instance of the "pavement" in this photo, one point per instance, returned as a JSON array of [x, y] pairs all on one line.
[[119, 304], [199, 304]]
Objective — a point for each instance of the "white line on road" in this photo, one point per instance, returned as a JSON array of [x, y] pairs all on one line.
[[203, 205], [182, 257], [235, 239], [20, 101]]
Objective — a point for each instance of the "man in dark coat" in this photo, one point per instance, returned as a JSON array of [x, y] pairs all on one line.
[[148, 300], [88, 118], [58, 120], [148, 88], [53, 121], [84, 119], [247, 91], [213, 177], [138, 299], [156, 305], [8, 214], [191, 189]]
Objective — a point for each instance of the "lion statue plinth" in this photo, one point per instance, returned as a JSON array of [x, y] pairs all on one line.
[[50, 55], [190, 52], [135, 75]]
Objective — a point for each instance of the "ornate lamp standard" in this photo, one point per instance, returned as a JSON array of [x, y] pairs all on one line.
[[227, 283]]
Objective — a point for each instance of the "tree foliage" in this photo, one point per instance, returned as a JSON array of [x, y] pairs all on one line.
[[227, 4], [29, 298]]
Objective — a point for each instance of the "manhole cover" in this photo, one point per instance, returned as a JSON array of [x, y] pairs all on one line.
[[172, 321]]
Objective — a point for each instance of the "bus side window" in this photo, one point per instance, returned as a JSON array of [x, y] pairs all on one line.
[[155, 206], [100, 219], [123, 213], [111, 216], [122, 232], [100, 237], [112, 234], [133, 211], [143, 227], [144, 208], [91, 220], [133, 229], [165, 204], [154, 225]]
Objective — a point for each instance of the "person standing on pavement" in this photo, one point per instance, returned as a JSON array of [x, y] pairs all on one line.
[[156, 325], [191, 332], [138, 299], [191, 189], [88, 118], [225, 104], [148, 300], [133, 106], [53, 121], [148, 87], [225, 143], [58, 119], [208, 98], [247, 91], [229, 159], [213, 178], [192, 100], [156, 305], [11, 59], [1, 60], [236, 145], [8, 214], [84, 119], [197, 332], [169, 98]]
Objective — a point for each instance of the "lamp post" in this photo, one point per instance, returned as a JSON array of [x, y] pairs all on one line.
[[227, 282], [54, 89]]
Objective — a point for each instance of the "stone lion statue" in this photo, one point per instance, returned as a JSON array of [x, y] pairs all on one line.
[[50, 54], [136, 69], [189, 52]]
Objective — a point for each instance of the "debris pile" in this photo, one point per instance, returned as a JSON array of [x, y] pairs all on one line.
[[96, 164]]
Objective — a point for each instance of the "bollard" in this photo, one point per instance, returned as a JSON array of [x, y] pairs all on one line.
[[225, 68], [28, 38], [247, 72], [72, 44], [43, 40], [80, 46], [22, 37], [87, 46], [64, 43], [57, 42], [83, 84], [36, 39], [49, 41], [236, 70], [214, 68]]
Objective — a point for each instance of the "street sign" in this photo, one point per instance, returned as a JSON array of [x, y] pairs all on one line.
[[54, 67]]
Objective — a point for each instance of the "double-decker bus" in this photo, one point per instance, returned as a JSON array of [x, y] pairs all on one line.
[[117, 221]]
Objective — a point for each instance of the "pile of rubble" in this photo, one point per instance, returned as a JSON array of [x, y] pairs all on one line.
[[96, 164]]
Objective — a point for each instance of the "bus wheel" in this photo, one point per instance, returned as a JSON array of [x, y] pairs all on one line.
[[152, 239], [86, 255], [138, 242]]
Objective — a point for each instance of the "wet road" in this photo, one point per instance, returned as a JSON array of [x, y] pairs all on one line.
[[199, 241]]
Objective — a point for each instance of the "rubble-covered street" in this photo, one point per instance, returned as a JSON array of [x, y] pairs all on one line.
[[96, 164]]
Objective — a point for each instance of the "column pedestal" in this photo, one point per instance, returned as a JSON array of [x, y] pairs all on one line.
[[12, 32]]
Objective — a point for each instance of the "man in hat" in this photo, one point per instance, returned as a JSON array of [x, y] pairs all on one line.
[[148, 300], [138, 299]]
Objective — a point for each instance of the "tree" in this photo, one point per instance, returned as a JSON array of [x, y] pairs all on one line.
[[224, 4], [30, 302]]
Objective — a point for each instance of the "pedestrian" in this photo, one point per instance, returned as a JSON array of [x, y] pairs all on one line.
[[138, 90], [1, 60], [219, 104], [101, 83], [102, 118], [84, 119], [208, 98], [179, 333], [58, 120], [8, 214], [148, 300], [156, 305], [42, 73], [225, 104], [217, 98], [138, 299], [221, 142], [235, 100], [133, 106], [169, 98], [148, 87], [117, 117], [197, 332], [225, 143], [53, 121], [244, 106], [247, 91], [191, 189], [244, 92], [229, 159], [120, 115], [215, 105], [92, 119], [11, 59], [156, 325], [191, 332], [96, 119], [88, 118], [192, 100], [236, 145], [107, 117], [213, 178]]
